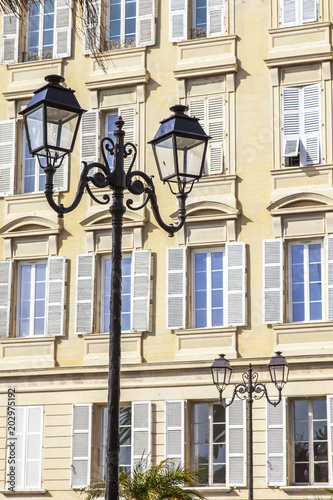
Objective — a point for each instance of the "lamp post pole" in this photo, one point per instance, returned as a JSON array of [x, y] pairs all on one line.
[[250, 389]]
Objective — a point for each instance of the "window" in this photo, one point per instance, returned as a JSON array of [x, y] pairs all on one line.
[[33, 176], [301, 127], [208, 19], [31, 299], [122, 21], [295, 12], [125, 294], [208, 288], [26, 448], [47, 32], [209, 442]]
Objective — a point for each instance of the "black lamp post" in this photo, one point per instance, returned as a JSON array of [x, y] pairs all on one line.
[[52, 119], [250, 389]]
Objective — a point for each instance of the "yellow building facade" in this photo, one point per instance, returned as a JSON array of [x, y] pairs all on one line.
[[249, 274]]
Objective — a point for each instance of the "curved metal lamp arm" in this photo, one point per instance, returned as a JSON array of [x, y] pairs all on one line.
[[273, 403], [136, 186], [240, 391]]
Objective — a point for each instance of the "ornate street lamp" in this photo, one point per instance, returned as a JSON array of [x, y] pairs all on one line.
[[250, 389], [51, 120]]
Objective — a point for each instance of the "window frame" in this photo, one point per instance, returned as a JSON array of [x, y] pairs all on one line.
[[40, 50], [298, 14], [122, 42]]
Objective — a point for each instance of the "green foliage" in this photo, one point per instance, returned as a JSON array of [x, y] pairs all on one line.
[[164, 481]]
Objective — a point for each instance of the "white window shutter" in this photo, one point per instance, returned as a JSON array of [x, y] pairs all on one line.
[[141, 432], [312, 123], [20, 437], [145, 22], [176, 287], [61, 176], [141, 290], [55, 296], [215, 18], [92, 27], [197, 108], [288, 12], [309, 11], [128, 114], [329, 294], [236, 443], [290, 119], [273, 281], [89, 136], [329, 404], [34, 446], [175, 432], [63, 28], [10, 38], [7, 157], [84, 303], [81, 445], [215, 128], [5, 296], [276, 443], [177, 20], [235, 283]]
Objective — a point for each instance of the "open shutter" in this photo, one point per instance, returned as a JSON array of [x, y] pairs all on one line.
[[273, 281], [10, 38], [176, 283], [84, 303], [329, 294], [56, 296], [92, 27], [141, 290], [174, 431], [7, 157], [146, 22], [236, 443], [290, 120], [20, 443], [89, 136], [141, 432], [5, 296], [81, 445], [61, 176], [197, 108], [288, 12], [276, 443], [34, 444], [215, 128], [178, 20], [312, 123], [236, 283], [329, 404], [63, 28], [309, 11], [128, 115], [215, 18]]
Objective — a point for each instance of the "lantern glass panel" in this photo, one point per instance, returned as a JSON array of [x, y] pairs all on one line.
[[34, 122], [190, 154], [165, 158], [61, 126]]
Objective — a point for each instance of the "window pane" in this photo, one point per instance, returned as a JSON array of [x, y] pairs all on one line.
[[321, 473], [320, 451], [301, 409], [319, 409], [302, 473], [201, 453], [125, 295], [218, 453], [298, 312], [218, 413], [219, 473], [301, 452]]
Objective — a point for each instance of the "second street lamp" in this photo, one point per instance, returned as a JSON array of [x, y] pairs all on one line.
[[51, 120]]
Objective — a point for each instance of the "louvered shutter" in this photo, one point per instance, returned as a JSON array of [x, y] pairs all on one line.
[[5, 296], [288, 12], [290, 120], [309, 11], [329, 403], [236, 283], [215, 18], [276, 443], [7, 157], [20, 444], [92, 27], [60, 180], [141, 432], [84, 304], [176, 283], [312, 124], [273, 281], [236, 443], [174, 431], [89, 136], [10, 38], [63, 28], [178, 20], [81, 445], [55, 296], [34, 444], [128, 115], [141, 290], [215, 127], [197, 108], [146, 22], [329, 294]]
